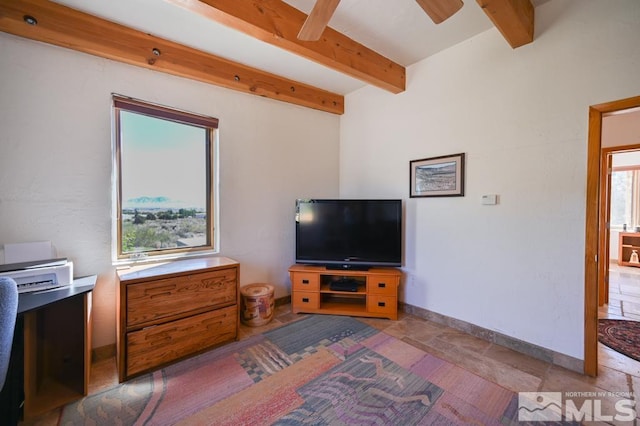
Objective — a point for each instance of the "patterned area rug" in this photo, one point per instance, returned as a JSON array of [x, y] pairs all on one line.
[[621, 335], [320, 370]]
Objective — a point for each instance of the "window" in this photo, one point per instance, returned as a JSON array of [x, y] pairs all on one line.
[[165, 181], [625, 197]]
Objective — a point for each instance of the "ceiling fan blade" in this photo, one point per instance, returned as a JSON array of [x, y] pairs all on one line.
[[317, 20], [440, 10]]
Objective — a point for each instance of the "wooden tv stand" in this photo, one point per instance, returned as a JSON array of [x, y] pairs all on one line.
[[376, 292], [627, 243]]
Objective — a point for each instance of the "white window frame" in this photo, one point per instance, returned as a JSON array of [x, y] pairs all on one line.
[[635, 195]]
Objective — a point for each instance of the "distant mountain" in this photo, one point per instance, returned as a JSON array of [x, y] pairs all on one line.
[[155, 203], [148, 200]]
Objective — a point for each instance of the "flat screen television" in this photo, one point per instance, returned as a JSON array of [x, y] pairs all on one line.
[[349, 234]]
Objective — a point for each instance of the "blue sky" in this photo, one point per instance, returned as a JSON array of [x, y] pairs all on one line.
[[162, 158]]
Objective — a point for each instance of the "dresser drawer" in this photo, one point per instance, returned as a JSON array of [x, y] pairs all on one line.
[[154, 346], [382, 304], [150, 301], [381, 284], [301, 300], [305, 281]]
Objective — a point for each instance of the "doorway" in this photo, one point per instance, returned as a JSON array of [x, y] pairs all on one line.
[[619, 297], [596, 233]]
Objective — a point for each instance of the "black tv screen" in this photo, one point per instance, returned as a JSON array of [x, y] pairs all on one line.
[[349, 234]]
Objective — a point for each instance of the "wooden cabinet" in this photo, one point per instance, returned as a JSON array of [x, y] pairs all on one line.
[[51, 352], [171, 311], [627, 243], [375, 295], [57, 345]]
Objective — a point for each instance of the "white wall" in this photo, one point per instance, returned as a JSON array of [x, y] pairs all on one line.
[[55, 162], [621, 129], [521, 116]]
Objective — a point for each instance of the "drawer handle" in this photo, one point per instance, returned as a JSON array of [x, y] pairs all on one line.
[[160, 290], [305, 300], [382, 285], [305, 281], [381, 304]]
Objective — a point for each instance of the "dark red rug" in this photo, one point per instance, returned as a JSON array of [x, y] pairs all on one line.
[[621, 335]]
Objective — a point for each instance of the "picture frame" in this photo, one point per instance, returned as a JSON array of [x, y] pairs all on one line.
[[437, 176]]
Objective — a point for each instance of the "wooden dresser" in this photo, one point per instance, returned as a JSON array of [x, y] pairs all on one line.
[[170, 311]]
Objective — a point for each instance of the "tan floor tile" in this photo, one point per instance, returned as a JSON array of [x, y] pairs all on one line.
[[608, 380], [518, 360], [502, 374], [380, 323], [104, 375], [611, 380], [415, 328], [494, 371], [464, 341], [635, 388], [611, 310], [615, 360], [624, 303], [516, 380], [630, 289], [440, 349], [563, 380], [631, 309]]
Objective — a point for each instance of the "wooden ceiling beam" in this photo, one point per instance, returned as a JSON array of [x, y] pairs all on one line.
[[513, 18], [277, 23], [69, 28]]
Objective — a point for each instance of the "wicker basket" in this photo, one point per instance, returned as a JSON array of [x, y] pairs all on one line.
[[257, 304]]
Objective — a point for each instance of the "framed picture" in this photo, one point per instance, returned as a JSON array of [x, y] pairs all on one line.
[[437, 176]]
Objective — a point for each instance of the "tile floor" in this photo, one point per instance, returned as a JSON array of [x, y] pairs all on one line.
[[624, 293], [513, 370], [624, 303]]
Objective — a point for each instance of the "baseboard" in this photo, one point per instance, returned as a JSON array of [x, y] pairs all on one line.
[[517, 345], [286, 300], [103, 352]]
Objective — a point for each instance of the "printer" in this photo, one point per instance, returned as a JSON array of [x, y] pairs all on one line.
[[39, 274]]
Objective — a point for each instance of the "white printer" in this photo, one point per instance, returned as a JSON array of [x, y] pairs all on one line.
[[39, 274]]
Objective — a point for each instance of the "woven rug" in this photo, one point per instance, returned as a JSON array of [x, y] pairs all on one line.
[[620, 335], [319, 370]]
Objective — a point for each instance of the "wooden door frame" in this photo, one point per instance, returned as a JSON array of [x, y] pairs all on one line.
[[604, 236], [595, 225]]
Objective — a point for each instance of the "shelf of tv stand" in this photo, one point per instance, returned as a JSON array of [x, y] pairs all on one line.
[[326, 288], [627, 243], [376, 295], [345, 306]]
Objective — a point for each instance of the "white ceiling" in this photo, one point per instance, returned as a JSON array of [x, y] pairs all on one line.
[[397, 29]]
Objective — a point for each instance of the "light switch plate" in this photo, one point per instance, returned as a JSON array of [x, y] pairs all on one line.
[[489, 200]]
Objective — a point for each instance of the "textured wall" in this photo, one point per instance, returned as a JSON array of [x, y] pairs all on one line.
[[55, 162], [521, 116]]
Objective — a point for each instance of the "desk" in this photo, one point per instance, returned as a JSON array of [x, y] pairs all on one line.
[[51, 354]]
